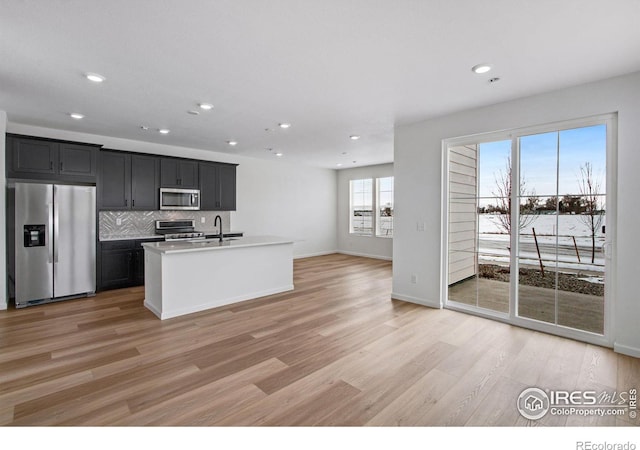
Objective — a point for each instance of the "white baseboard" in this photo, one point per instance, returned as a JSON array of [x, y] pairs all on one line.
[[204, 306], [365, 255], [152, 308], [311, 255], [626, 350], [3, 305], [419, 301]]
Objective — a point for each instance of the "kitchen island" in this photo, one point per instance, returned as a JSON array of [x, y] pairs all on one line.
[[183, 277]]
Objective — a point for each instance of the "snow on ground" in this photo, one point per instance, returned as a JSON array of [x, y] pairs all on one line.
[[494, 245]]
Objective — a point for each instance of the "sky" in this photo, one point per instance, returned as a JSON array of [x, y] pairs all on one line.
[[549, 162]]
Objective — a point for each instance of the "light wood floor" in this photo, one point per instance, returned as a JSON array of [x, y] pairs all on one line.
[[336, 351]]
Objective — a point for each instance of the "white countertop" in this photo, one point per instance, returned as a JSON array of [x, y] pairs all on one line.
[[214, 244]]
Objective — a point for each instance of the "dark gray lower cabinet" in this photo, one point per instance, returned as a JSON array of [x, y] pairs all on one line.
[[122, 263], [116, 265], [138, 266]]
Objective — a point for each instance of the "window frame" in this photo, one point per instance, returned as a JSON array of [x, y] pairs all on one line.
[[375, 207], [378, 220]]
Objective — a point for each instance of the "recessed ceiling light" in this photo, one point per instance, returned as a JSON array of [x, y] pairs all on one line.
[[284, 125], [77, 116], [95, 77], [144, 127], [354, 137], [193, 112], [279, 154], [232, 143], [164, 131], [339, 164], [481, 68], [205, 106]]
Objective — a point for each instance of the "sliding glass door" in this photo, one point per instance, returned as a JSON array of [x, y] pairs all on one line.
[[561, 276], [542, 264], [479, 232]]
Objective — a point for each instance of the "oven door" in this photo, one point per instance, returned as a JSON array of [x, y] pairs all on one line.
[[173, 199]]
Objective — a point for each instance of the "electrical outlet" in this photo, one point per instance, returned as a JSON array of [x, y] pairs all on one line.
[[420, 226], [118, 221], [414, 278], [203, 219]]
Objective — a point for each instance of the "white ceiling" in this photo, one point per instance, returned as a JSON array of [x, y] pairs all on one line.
[[332, 68]]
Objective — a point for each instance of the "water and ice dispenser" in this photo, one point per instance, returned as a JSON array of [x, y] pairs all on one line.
[[34, 236]]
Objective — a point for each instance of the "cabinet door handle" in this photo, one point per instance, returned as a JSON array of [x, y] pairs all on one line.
[[179, 181], [133, 203], [61, 166], [50, 165], [126, 202]]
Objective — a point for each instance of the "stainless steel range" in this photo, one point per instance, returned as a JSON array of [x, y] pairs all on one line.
[[178, 230]]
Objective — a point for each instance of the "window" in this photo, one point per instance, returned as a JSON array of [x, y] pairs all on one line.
[[364, 201], [361, 207], [384, 197]]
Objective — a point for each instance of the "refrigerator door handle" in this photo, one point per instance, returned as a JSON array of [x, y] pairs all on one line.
[[50, 232], [56, 224]]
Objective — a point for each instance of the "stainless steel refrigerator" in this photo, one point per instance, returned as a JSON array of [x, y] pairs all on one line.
[[55, 242]]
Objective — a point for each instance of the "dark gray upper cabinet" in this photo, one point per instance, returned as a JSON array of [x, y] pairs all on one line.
[[128, 181], [227, 175], [43, 159], [77, 160], [178, 173], [217, 187], [114, 181], [33, 155], [145, 182]]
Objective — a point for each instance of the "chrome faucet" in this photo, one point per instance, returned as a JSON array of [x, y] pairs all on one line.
[[215, 222]]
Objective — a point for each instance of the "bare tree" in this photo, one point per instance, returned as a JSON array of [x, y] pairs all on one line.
[[592, 203], [503, 198]]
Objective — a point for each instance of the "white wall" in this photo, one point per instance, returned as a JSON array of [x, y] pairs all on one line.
[[273, 197], [417, 163], [370, 246], [287, 200], [3, 228]]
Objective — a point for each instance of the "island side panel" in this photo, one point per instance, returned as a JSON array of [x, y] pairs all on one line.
[[153, 282], [199, 280]]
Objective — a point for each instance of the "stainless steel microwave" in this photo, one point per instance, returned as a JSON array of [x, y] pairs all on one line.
[[172, 199]]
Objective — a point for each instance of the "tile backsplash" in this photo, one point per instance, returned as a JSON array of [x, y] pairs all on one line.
[[142, 223]]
